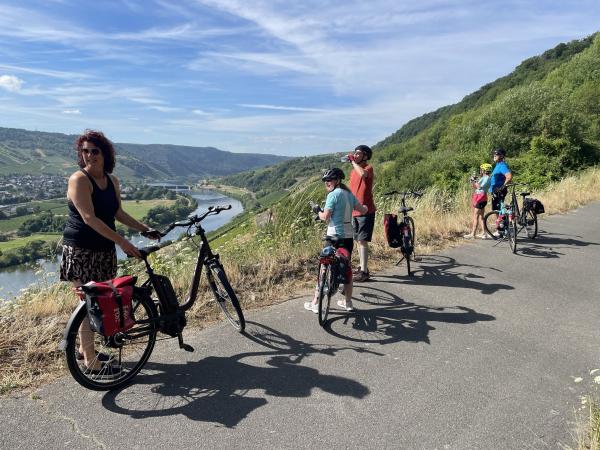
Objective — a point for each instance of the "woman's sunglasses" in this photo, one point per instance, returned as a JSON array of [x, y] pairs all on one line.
[[93, 151]]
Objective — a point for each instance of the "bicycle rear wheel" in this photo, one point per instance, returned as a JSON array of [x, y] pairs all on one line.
[[118, 358], [325, 291], [489, 223], [511, 232], [531, 224], [226, 298], [408, 241]]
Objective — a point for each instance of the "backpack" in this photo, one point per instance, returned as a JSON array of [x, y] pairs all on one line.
[[109, 305], [392, 230]]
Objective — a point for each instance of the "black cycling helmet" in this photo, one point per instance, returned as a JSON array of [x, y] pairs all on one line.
[[366, 150], [333, 174], [500, 151]]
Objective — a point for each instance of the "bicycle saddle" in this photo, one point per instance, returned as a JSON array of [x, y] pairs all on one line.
[[525, 194], [406, 209]]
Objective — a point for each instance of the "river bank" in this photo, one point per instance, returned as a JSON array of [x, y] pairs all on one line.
[[16, 278]]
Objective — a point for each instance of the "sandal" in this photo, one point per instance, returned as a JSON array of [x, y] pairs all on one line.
[[102, 357], [106, 369]]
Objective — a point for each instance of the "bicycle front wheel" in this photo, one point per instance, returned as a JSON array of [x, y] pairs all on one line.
[[226, 298], [511, 232], [531, 224], [489, 223], [325, 291], [118, 358]]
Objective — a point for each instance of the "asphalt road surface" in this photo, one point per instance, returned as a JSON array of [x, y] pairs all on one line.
[[478, 350]]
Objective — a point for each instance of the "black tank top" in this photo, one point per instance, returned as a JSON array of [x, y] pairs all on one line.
[[78, 234]]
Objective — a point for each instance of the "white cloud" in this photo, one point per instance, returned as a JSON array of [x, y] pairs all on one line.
[[75, 112], [281, 108], [11, 83]]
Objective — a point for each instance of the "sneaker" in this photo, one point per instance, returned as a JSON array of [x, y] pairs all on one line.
[[343, 305], [311, 307], [361, 277], [497, 234], [342, 289], [469, 236], [483, 236]]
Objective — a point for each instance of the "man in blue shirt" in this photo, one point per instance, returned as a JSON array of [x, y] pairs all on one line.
[[500, 177]]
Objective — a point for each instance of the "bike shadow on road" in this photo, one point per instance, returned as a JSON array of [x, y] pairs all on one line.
[[394, 319], [547, 245], [224, 390], [439, 270]]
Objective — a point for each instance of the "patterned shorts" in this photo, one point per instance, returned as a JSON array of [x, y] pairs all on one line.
[[84, 265]]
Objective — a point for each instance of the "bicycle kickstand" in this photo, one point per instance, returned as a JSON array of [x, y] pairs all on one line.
[[186, 347], [401, 259]]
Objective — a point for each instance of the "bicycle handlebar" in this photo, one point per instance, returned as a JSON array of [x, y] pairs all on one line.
[[195, 219], [413, 193]]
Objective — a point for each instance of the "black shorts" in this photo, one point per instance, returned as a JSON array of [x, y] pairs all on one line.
[[481, 205], [363, 227], [347, 243]]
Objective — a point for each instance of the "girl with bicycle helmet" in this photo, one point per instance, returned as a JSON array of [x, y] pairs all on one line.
[[479, 200], [339, 204]]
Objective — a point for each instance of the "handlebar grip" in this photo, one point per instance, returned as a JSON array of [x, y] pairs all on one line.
[[145, 251]]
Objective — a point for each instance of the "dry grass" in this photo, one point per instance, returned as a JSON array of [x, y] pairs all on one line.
[[264, 268]]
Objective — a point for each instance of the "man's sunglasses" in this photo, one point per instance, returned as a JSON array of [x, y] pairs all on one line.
[[93, 151]]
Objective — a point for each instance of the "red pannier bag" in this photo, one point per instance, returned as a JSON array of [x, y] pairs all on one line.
[[392, 230], [109, 305]]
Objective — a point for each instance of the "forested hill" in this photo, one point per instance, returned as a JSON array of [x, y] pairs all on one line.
[[546, 114], [35, 152]]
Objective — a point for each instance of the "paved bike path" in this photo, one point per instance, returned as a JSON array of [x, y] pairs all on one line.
[[478, 350]]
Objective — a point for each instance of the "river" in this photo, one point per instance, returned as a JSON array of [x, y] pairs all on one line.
[[14, 279]]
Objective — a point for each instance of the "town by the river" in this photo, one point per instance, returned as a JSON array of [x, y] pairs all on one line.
[[14, 279]]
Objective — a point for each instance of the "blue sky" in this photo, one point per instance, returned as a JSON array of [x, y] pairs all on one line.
[[290, 78]]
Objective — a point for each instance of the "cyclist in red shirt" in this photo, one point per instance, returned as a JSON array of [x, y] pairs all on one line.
[[361, 185]]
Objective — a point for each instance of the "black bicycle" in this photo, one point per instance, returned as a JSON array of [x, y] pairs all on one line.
[[155, 308], [407, 243], [507, 223]]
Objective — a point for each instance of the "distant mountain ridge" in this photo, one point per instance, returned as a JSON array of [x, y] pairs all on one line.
[[34, 152]]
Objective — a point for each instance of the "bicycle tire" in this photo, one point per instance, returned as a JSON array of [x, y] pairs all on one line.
[[511, 232], [412, 234], [489, 223], [408, 244], [219, 284], [128, 355], [325, 292], [531, 224]]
